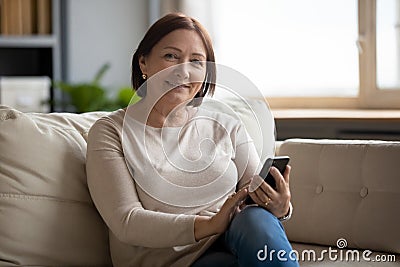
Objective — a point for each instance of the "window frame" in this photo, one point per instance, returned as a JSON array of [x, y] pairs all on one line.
[[370, 95]]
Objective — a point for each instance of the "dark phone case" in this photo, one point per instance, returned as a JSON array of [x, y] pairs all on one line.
[[278, 162]]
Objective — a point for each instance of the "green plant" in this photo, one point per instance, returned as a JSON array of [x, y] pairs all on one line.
[[91, 96]]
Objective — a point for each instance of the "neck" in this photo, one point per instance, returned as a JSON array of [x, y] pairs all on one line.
[[162, 115]]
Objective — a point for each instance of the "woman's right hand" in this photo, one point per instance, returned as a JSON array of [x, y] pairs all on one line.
[[207, 226]]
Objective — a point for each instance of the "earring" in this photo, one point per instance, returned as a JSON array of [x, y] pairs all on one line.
[[144, 76]]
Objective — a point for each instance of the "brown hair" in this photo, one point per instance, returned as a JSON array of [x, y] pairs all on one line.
[[156, 32]]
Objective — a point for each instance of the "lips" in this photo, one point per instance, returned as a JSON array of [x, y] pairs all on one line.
[[177, 85]]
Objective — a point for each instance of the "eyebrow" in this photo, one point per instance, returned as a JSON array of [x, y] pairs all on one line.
[[179, 50]]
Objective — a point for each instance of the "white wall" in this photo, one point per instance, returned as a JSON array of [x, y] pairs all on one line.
[[100, 31]]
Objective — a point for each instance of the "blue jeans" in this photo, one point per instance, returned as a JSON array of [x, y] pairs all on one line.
[[254, 238]]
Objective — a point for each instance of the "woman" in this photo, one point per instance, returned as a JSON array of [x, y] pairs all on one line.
[[129, 160]]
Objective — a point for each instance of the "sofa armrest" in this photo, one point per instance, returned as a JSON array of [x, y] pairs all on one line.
[[47, 217], [345, 189]]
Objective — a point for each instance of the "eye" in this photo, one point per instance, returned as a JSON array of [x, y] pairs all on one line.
[[170, 56], [197, 62]]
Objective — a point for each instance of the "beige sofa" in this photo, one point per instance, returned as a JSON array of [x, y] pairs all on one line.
[[347, 190]]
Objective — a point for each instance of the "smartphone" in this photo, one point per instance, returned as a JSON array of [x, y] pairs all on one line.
[[279, 163]]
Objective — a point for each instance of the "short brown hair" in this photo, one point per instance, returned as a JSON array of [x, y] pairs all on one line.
[[162, 27]]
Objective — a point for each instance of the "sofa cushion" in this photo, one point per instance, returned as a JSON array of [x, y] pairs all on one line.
[[345, 189], [47, 216]]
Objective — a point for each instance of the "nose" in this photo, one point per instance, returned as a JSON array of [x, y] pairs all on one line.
[[182, 72]]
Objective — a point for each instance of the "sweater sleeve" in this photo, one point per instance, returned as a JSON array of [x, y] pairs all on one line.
[[114, 195], [246, 157]]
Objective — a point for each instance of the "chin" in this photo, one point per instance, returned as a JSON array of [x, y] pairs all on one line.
[[178, 99], [178, 96]]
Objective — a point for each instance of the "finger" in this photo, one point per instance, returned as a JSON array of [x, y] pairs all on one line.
[[256, 181], [247, 184], [237, 197], [268, 190], [262, 196], [241, 195], [284, 183], [255, 198], [261, 200], [286, 174], [279, 180]]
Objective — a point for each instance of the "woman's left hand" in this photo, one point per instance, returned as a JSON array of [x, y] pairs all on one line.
[[276, 201]]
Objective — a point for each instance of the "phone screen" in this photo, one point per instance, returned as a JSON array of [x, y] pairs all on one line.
[[279, 163]]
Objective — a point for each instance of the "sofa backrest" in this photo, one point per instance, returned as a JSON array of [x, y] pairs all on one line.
[[47, 217], [345, 189], [255, 116]]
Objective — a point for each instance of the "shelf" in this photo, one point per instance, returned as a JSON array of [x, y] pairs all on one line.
[[28, 41], [338, 124], [36, 54], [337, 114]]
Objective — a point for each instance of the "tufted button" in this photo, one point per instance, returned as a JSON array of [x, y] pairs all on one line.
[[364, 192], [319, 189]]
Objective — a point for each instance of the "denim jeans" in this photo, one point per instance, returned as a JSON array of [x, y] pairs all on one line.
[[254, 238]]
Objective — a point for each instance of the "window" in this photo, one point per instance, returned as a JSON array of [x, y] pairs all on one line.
[[379, 58], [388, 44], [309, 53], [291, 48]]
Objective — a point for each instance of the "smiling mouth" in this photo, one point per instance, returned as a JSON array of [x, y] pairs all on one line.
[[178, 85]]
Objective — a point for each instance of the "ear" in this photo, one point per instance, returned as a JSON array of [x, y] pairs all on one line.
[[142, 64]]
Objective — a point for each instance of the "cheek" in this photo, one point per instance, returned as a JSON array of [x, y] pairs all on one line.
[[159, 68], [195, 89], [197, 79], [198, 76], [197, 86]]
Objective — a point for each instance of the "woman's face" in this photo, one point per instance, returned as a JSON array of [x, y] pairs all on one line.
[[179, 60]]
